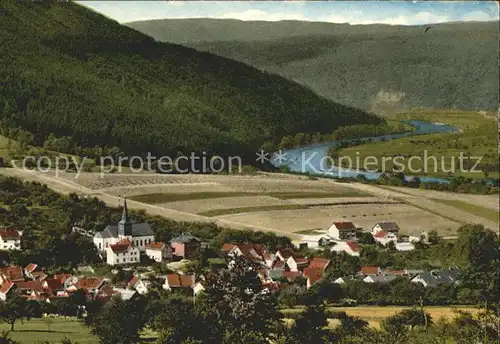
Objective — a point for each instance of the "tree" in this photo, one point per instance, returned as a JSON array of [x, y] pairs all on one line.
[[12, 310], [309, 328], [434, 238], [350, 326], [415, 317], [118, 321], [5, 338]]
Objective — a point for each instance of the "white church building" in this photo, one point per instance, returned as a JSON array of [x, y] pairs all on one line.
[[139, 235]]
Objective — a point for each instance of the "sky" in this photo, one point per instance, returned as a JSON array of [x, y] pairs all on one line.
[[353, 12]]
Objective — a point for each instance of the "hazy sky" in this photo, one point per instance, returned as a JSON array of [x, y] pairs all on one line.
[[367, 12]]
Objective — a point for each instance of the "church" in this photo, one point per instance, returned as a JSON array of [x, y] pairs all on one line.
[[139, 234]]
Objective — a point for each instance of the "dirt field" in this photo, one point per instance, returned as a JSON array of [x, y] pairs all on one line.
[[375, 314], [318, 202], [410, 219]]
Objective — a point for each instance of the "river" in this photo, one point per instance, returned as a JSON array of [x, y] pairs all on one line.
[[313, 158]]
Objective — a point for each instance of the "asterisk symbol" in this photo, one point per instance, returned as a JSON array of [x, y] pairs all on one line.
[[262, 157], [280, 156]]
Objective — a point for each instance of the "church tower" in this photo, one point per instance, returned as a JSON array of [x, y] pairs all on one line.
[[125, 225]]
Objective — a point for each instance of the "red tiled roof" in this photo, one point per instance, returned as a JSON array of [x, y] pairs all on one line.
[[9, 234], [133, 281], [301, 260], [31, 267], [252, 251], [313, 274], [175, 280], [32, 285], [345, 226], [353, 246], [121, 246], [54, 284], [62, 277], [381, 234], [12, 273], [319, 263], [156, 246], [88, 283], [369, 270], [227, 247], [5, 287]]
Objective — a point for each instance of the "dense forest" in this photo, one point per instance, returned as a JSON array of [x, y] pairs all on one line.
[[374, 67], [68, 71]]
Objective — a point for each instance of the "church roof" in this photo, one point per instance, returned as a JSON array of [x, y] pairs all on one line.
[[138, 229]]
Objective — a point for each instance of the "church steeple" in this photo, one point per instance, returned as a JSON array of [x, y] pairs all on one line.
[[125, 225]]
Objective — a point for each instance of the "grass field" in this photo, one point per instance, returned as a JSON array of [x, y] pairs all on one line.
[[156, 198], [477, 139], [471, 208], [35, 330], [230, 211]]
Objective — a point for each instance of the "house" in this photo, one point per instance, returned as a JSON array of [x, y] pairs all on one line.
[[173, 281], [390, 227], [140, 234], [123, 252], [297, 262], [54, 286], [90, 285], [253, 252], [30, 269], [435, 277], [342, 231], [11, 273], [284, 253], [312, 275], [5, 289], [350, 247], [185, 246], [138, 284], [31, 289], [10, 239], [379, 278], [370, 271], [385, 237], [315, 241], [269, 259], [158, 251], [319, 263]]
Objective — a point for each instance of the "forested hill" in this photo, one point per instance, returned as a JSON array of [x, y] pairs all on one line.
[[67, 70], [373, 67]]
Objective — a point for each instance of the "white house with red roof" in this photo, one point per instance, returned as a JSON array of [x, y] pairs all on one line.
[[342, 231], [10, 239], [297, 262], [123, 252], [384, 237], [138, 284], [5, 289], [159, 251], [350, 247]]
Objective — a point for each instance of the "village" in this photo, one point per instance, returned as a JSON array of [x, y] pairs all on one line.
[[127, 245]]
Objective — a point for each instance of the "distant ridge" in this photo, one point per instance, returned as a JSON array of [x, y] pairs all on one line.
[[453, 65]]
